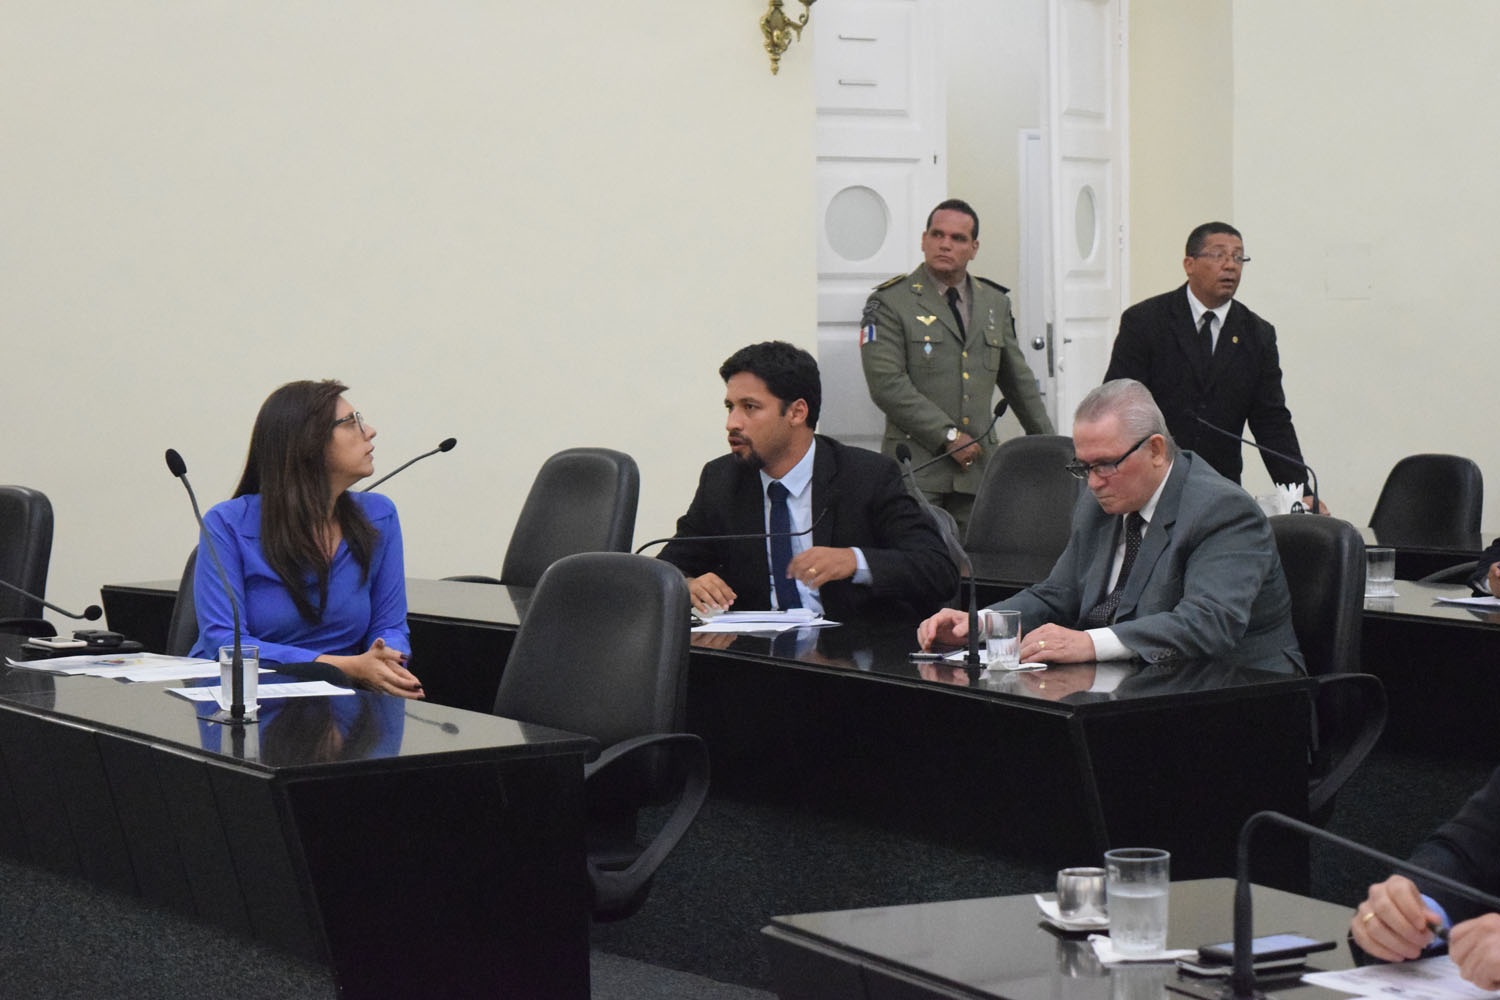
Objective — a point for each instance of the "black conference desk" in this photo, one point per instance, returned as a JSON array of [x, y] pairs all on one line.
[[1440, 665], [850, 727], [416, 849], [998, 947]]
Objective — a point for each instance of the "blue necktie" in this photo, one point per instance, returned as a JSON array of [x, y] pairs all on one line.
[[781, 547]]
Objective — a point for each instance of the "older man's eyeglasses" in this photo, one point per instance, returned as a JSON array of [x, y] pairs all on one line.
[[1081, 470], [353, 418], [1220, 256]]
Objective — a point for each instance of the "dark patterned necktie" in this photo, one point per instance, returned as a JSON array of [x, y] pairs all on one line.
[[958, 311], [781, 547], [1103, 613], [1206, 334]]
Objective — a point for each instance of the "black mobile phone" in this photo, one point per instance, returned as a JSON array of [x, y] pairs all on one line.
[[1264, 949]]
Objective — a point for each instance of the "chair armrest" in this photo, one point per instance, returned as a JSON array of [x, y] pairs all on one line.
[[612, 888], [1452, 574], [1372, 695], [27, 626], [472, 578]]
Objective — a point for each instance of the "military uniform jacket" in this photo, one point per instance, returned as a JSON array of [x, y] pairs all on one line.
[[927, 379]]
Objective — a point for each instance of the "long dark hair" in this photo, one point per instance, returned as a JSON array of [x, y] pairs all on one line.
[[288, 467]]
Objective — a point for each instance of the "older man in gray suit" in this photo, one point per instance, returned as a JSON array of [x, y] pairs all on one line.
[[1167, 559]]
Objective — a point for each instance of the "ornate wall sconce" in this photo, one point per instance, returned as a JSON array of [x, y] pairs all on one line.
[[779, 29]]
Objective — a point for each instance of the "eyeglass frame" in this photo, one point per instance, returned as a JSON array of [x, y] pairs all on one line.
[[359, 422], [1081, 471], [1219, 255]]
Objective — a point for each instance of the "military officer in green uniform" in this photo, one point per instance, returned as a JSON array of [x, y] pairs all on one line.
[[934, 343]]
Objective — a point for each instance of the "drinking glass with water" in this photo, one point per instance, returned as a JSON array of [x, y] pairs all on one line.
[[1137, 888]]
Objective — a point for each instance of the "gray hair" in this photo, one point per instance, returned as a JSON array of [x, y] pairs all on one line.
[[1133, 404]]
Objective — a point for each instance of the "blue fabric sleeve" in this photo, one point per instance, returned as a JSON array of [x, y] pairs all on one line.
[[388, 588]]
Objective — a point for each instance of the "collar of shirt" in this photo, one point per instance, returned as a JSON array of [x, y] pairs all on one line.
[[965, 298], [798, 483], [1198, 309]]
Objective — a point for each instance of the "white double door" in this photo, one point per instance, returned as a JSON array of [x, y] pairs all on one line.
[[881, 166]]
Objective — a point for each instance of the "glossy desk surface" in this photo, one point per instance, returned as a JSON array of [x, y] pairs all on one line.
[[883, 652], [1415, 601], [295, 735], [999, 947]]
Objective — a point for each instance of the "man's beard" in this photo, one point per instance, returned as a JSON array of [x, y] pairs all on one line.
[[751, 458]]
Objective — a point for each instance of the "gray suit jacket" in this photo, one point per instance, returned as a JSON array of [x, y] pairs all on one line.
[[1207, 581]]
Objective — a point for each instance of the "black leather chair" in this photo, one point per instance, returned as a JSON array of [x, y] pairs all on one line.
[[1024, 507], [1324, 561], [1432, 501], [25, 553], [182, 631], [582, 500], [604, 652]]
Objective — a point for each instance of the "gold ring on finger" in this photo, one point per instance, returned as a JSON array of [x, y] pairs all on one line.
[[1369, 916], [1041, 644]]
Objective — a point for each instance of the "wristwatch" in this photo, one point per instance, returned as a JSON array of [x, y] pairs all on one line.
[[950, 435]]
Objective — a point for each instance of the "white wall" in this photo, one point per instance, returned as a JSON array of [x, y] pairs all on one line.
[[1365, 154], [1181, 132], [527, 226]]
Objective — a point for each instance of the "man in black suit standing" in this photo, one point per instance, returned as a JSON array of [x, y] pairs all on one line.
[[1202, 354], [873, 552]]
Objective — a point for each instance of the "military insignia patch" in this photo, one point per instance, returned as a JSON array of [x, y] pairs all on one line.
[[927, 320], [867, 334]]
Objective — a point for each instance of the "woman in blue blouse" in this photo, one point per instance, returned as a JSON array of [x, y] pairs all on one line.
[[317, 570]]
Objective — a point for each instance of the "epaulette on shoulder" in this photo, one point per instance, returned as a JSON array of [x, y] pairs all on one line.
[[994, 284], [893, 281]]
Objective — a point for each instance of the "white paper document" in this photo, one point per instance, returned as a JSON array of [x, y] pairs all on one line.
[[1488, 603], [1433, 978], [762, 622], [300, 689], [131, 666]]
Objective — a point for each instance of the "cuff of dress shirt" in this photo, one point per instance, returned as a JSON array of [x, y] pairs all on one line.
[[862, 570], [1107, 645]]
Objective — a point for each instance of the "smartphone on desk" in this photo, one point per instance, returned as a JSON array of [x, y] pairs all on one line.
[[1271, 948]]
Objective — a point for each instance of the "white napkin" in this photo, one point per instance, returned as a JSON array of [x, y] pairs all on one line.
[[1054, 916], [1105, 949]]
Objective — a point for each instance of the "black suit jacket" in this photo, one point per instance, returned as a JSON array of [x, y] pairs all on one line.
[[1466, 848], [1487, 558], [1158, 346], [866, 507]]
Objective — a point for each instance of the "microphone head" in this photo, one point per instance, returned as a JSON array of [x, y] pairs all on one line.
[[92, 613], [175, 463], [448, 444], [903, 453], [1001, 407]]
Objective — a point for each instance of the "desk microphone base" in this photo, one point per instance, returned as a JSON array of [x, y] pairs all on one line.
[[224, 718]]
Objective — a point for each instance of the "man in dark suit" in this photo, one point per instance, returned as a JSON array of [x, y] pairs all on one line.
[[1486, 578], [1166, 559], [1227, 374], [1397, 919], [873, 552]]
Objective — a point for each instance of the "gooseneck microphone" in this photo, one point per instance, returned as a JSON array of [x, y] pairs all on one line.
[[236, 714], [738, 537], [91, 613], [1269, 451], [446, 445], [1242, 981], [948, 528], [1000, 409]]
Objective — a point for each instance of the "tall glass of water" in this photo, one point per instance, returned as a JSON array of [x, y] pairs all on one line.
[[1137, 888]]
